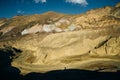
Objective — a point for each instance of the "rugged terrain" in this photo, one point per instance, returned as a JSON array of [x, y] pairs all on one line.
[[56, 41]]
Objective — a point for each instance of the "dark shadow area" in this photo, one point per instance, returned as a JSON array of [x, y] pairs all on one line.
[[74, 74], [7, 72]]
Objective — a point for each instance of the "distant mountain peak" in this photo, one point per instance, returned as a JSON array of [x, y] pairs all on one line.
[[118, 5], [50, 12]]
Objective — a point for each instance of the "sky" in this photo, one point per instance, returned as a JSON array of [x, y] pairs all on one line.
[[10, 8]]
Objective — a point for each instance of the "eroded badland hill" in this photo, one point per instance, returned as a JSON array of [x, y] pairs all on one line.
[[55, 41]]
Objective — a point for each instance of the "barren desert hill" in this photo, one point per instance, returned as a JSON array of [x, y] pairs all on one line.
[[58, 22], [54, 41]]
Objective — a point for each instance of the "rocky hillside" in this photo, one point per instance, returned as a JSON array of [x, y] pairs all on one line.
[[53, 41]]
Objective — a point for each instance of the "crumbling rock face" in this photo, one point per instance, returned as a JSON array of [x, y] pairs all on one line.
[[77, 49], [110, 48]]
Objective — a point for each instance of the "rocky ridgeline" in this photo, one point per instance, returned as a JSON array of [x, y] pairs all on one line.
[[55, 22]]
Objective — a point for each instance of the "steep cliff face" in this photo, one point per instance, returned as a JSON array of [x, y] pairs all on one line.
[[53, 41]]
